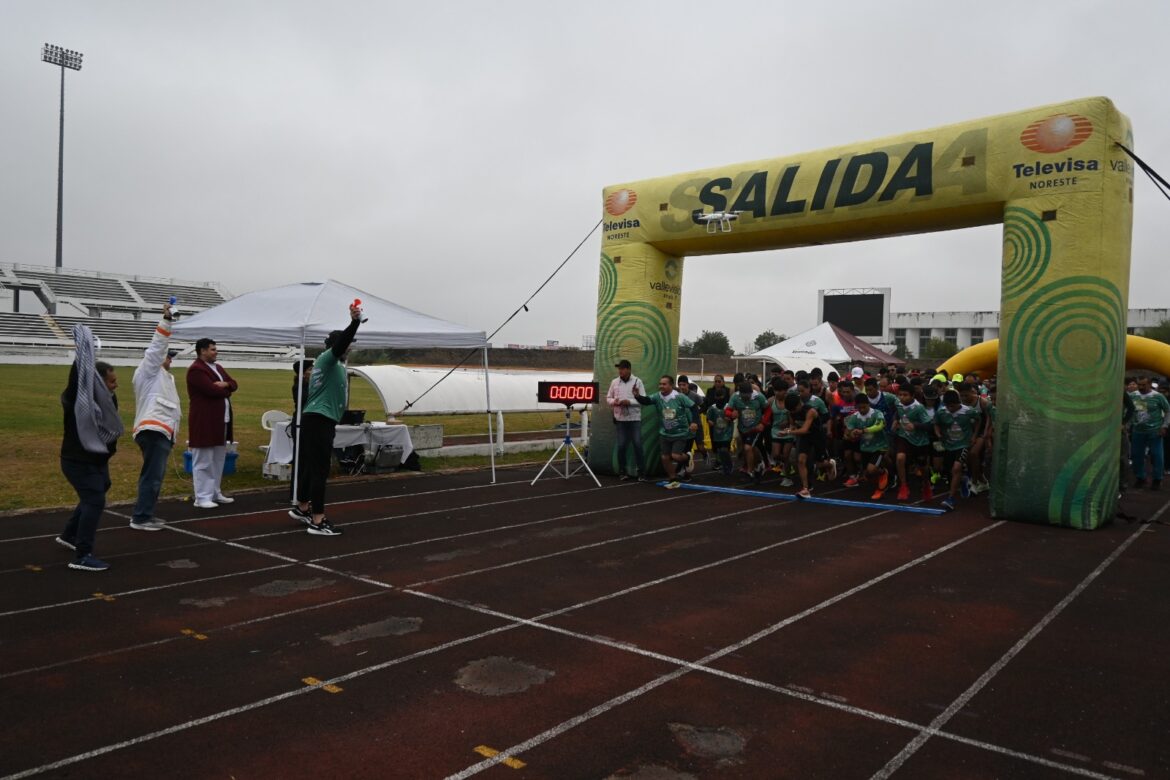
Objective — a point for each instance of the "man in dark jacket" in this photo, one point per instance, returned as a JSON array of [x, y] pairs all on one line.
[[83, 461], [209, 390]]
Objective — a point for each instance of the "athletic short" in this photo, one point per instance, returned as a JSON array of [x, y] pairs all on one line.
[[850, 445], [814, 448], [950, 457], [912, 451], [875, 459], [721, 445], [670, 447]]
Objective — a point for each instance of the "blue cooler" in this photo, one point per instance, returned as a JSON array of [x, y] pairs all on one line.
[[229, 462]]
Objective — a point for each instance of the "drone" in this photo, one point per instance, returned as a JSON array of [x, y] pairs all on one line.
[[718, 221]]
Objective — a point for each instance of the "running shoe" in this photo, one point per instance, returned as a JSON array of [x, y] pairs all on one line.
[[786, 482], [777, 469], [220, 498], [624, 478], [832, 469], [965, 487], [934, 477], [948, 504], [877, 495], [852, 481], [683, 476], [673, 485], [904, 493], [804, 493], [61, 540], [323, 528], [147, 525], [89, 563], [296, 513], [883, 483], [641, 478]]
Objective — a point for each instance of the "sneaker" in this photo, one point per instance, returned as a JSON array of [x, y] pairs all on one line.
[[323, 528], [673, 485], [206, 505], [691, 460], [904, 493], [965, 487], [934, 477], [683, 476], [877, 494], [624, 478], [61, 540], [220, 498], [147, 525], [777, 469], [296, 513], [89, 563], [641, 478], [883, 483], [852, 481], [948, 504], [804, 493], [786, 482], [927, 492], [979, 486]]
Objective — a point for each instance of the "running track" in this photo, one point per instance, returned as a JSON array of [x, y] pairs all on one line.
[[560, 630]]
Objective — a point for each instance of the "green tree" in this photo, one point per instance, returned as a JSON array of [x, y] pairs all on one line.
[[767, 339], [1160, 332], [712, 342], [686, 349], [939, 349], [901, 351]]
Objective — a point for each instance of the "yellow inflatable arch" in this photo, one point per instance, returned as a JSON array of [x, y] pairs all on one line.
[[1056, 179], [1141, 353]]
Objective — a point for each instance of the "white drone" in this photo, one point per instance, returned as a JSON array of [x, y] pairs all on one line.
[[718, 221]]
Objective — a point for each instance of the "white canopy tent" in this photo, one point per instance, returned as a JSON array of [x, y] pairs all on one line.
[[828, 343], [306, 312], [463, 391]]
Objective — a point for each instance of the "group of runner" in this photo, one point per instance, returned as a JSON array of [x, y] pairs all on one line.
[[883, 431]]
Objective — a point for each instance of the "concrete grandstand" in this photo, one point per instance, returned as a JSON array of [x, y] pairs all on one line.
[[40, 304]]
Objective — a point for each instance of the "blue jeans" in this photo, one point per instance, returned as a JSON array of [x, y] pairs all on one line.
[[156, 450], [91, 481], [1140, 444], [629, 432]]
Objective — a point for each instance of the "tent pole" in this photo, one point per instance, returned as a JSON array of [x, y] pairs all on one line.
[[487, 389], [297, 419]]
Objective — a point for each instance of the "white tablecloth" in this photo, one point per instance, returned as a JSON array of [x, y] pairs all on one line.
[[369, 435]]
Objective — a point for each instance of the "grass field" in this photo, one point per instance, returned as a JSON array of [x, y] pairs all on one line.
[[32, 424]]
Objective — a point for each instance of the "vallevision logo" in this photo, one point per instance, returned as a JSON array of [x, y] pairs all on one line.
[[1056, 133], [620, 202]]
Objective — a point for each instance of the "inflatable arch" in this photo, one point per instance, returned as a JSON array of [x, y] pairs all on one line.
[[1052, 175], [1141, 353]]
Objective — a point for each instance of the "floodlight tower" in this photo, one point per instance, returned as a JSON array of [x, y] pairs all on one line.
[[66, 58]]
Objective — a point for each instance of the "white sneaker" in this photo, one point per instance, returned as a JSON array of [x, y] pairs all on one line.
[[147, 525], [220, 498], [206, 505], [832, 469]]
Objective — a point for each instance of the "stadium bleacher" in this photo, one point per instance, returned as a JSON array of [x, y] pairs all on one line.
[[123, 312]]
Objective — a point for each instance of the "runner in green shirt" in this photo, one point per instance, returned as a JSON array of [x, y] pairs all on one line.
[[782, 443], [955, 425], [676, 426], [911, 442], [866, 426], [1151, 412], [722, 432], [747, 408]]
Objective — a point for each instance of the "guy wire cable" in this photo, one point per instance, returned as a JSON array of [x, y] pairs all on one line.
[[522, 307], [1158, 181]]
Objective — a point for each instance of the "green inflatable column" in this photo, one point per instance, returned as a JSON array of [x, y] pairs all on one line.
[[637, 319]]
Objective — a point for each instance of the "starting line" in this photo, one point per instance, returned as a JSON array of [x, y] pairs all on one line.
[[918, 510]]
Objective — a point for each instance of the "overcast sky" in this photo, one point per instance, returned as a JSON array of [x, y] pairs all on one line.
[[448, 155]]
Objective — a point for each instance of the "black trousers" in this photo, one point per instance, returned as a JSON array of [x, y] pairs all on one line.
[[315, 459]]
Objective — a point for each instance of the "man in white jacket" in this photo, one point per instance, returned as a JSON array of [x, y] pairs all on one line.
[[156, 421]]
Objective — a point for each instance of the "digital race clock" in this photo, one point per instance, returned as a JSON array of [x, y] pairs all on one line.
[[567, 393]]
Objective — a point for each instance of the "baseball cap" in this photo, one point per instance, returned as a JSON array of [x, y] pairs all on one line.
[[623, 364], [857, 372]]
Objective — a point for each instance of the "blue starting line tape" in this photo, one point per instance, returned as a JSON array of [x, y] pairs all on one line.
[[918, 510]]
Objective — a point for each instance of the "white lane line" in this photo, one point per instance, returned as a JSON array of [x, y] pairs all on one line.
[[1129, 770], [201, 518], [941, 720], [302, 690], [217, 630], [151, 589], [1069, 754], [174, 528], [687, 667]]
